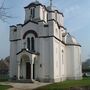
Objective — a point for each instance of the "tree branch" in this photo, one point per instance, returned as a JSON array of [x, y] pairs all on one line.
[[3, 14]]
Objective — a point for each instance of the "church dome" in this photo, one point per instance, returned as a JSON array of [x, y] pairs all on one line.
[[71, 40], [34, 3], [53, 8]]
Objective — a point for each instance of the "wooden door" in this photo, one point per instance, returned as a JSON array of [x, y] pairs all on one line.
[[28, 70]]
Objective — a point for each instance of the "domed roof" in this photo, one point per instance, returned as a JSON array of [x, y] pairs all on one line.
[[51, 8], [71, 40], [34, 3]]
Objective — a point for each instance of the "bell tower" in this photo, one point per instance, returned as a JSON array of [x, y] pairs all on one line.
[[29, 12], [35, 11]]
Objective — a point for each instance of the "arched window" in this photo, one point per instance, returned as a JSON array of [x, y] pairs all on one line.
[[28, 43], [32, 11], [32, 44], [47, 16]]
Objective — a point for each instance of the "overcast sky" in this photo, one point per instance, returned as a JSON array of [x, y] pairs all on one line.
[[76, 17]]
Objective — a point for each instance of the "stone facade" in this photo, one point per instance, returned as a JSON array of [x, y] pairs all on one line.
[[41, 49]]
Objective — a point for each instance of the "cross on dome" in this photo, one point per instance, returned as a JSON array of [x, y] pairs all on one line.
[[51, 3], [35, 0]]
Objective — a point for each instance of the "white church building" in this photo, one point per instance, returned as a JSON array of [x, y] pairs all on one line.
[[41, 49]]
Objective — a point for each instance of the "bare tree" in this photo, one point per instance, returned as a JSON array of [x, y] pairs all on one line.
[[3, 12]]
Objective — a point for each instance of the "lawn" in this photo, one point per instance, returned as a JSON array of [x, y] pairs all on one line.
[[66, 85], [5, 87]]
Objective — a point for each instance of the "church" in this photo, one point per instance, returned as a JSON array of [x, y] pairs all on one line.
[[41, 49]]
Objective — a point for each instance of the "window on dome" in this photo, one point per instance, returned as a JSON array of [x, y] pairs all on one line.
[[32, 12]]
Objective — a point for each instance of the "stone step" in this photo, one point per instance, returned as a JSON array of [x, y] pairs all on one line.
[[24, 81]]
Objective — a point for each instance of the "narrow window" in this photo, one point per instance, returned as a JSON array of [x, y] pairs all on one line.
[[56, 16], [47, 16], [32, 44], [32, 11], [62, 57], [28, 43]]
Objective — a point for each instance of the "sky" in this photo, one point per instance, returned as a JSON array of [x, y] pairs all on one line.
[[76, 20]]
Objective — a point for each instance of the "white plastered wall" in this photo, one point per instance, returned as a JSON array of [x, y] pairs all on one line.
[[70, 62]]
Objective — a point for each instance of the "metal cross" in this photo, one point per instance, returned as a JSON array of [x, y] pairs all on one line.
[[51, 3]]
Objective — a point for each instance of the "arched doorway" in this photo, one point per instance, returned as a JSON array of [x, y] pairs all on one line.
[[25, 67]]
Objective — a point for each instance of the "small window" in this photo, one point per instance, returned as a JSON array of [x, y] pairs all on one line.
[[21, 60], [62, 56], [56, 16], [47, 16], [32, 44], [15, 30], [32, 12], [40, 65], [28, 43]]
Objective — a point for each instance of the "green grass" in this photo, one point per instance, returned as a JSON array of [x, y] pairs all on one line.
[[66, 85], [5, 87]]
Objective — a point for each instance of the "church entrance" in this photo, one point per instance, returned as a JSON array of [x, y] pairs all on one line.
[[26, 66], [28, 70]]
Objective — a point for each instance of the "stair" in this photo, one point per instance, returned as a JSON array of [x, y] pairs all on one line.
[[24, 81]]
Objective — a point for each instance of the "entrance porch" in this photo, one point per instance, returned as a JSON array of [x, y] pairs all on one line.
[[26, 65]]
